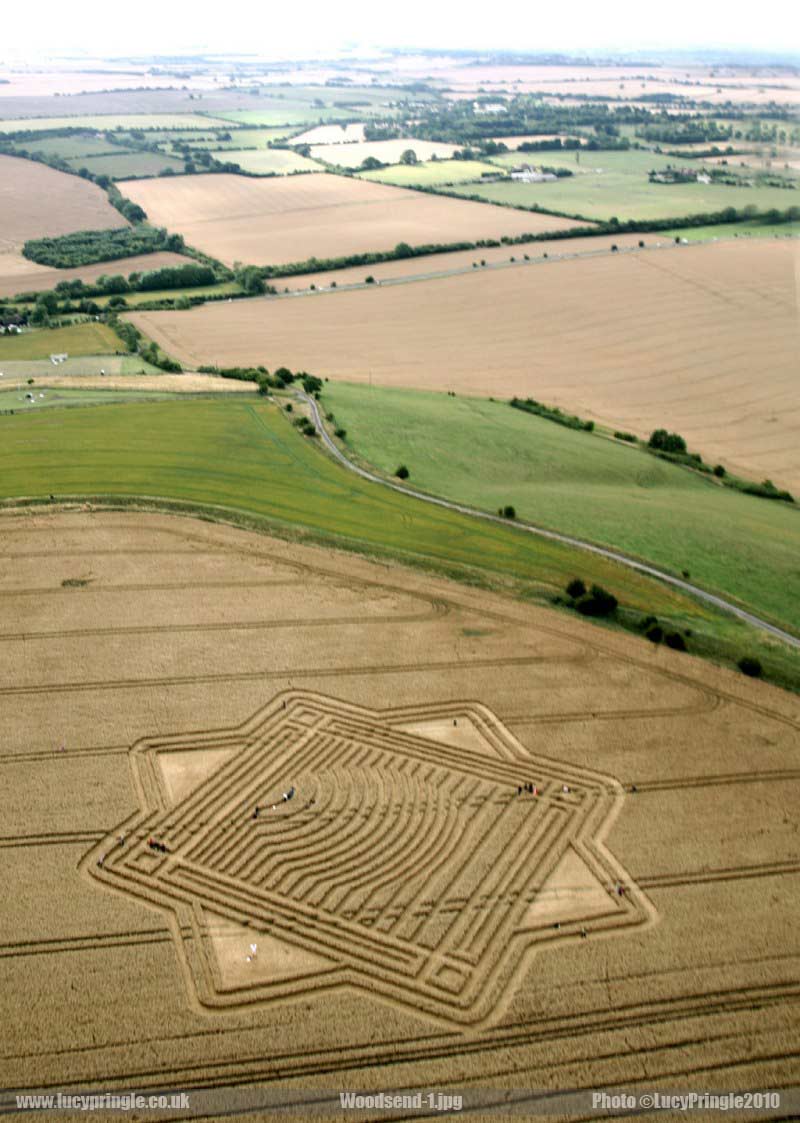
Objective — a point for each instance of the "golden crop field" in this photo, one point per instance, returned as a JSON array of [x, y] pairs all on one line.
[[276, 221], [37, 201], [408, 833], [17, 274], [702, 340], [387, 151]]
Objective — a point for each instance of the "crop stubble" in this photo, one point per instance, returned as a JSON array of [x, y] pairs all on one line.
[[169, 626], [275, 221]]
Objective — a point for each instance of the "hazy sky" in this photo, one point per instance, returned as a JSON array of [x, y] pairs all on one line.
[[313, 27]]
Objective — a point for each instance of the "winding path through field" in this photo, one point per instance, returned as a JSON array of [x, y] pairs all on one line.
[[554, 535]]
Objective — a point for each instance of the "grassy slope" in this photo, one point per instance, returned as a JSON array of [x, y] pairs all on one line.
[[486, 454], [77, 339], [622, 188], [431, 173], [45, 398], [247, 458]]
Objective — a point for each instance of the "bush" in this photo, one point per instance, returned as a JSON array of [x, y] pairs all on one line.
[[370, 280], [719, 471], [629, 437], [576, 588], [675, 640], [552, 413], [751, 666], [340, 433], [655, 633], [666, 442], [507, 512], [598, 602], [402, 472], [311, 384]]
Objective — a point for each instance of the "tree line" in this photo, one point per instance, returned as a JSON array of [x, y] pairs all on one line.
[[86, 247]]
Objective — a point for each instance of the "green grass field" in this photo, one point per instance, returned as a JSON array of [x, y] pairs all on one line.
[[127, 165], [103, 122], [77, 339], [615, 184], [68, 147], [48, 398], [248, 457], [268, 161], [488, 455], [41, 369], [299, 105], [431, 173], [247, 460], [134, 299], [735, 230], [240, 137]]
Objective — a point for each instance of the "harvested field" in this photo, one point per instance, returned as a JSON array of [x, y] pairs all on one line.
[[17, 274], [387, 151], [276, 221], [702, 340], [161, 678], [37, 201]]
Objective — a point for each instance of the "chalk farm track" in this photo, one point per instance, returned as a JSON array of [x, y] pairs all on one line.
[[702, 340], [161, 678]]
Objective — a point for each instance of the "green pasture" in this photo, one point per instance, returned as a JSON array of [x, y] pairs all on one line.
[[127, 165], [47, 398], [134, 299], [240, 137], [247, 461], [246, 456], [103, 122], [489, 455], [615, 184], [68, 147], [734, 230], [89, 338], [42, 369], [268, 161], [430, 173], [299, 105]]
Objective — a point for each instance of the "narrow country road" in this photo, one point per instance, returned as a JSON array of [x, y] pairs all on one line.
[[554, 535]]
